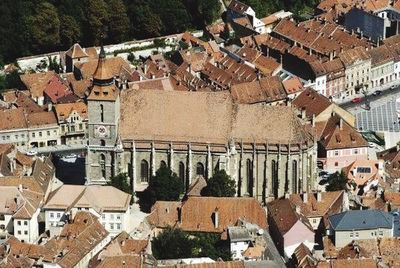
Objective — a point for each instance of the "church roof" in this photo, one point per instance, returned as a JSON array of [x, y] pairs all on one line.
[[205, 117], [76, 51]]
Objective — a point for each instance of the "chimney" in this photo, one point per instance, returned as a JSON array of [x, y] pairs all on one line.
[[20, 188], [298, 211], [340, 123], [216, 218], [286, 195], [145, 68], [303, 113], [319, 196], [49, 106], [305, 197], [313, 120]]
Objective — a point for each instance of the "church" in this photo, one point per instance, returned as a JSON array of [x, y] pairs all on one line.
[[265, 149]]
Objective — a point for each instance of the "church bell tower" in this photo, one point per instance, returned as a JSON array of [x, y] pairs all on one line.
[[103, 117]]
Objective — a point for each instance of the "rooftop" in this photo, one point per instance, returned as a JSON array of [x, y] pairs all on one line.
[[361, 220]]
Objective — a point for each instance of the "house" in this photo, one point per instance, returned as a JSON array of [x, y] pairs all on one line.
[[72, 119], [22, 198], [238, 10], [293, 87], [391, 158], [360, 224], [317, 207], [122, 250], [339, 144], [74, 55], [365, 263], [382, 65], [43, 129], [240, 240], [288, 228], [207, 214], [107, 203], [267, 90], [80, 240], [316, 107], [36, 84], [364, 173], [303, 257], [57, 91], [357, 64]]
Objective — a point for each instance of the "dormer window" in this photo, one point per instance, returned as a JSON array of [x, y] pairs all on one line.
[[96, 93], [105, 93]]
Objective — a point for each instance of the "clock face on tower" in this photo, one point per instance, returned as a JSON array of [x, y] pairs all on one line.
[[101, 132]]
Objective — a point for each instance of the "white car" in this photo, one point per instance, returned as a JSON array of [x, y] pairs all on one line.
[[31, 153]]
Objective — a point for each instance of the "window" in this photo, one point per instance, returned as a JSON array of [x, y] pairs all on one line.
[[355, 151], [363, 170], [25, 232], [19, 232], [51, 215], [25, 223], [111, 216], [274, 176], [118, 226], [250, 179], [381, 233], [48, 132], [336, 164], [103, 216], [118, 217], [144, 171], [62, 128], [356, 234], [103, 165], [58, 215], [294, 176], [182, 172], [101, 113], [19, 223], [112, 226], [314, 220], [40, 133], [200, 169], [351, 234], [336, 153]]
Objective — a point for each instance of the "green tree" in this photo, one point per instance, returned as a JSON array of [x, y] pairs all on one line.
[[118, 25], [220, 185], [173, 14], [145, 23], [121, 182], [10, 80], [96, 20], [70, 31], [166, 185], [209, 10], [210, 245], [172, 244], [337, 182], [45, 27]]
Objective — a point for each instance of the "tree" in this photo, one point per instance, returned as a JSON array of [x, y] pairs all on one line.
[[337, 182], [166, 185], [10, 80], [172, 244], [209, 10], [45, 27], [70, 31], [220, 185], [96, 20], [118, 25], [145, 23], [121, 182]]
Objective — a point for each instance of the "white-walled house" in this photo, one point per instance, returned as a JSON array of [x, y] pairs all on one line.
[[239, 240], [19, 211], [107, 203]]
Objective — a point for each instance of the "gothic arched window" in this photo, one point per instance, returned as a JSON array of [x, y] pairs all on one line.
[[144, 171], [102, 142], [274, 178], [250, 178], [101, 113], [200, 169], [103, 165], [182, 172], [294, 176]]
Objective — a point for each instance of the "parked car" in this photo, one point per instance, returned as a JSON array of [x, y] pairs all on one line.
[[377, 93], [356, 100], [393, 87], [31, 153]]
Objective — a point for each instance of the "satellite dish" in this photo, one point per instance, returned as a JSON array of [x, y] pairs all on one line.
[[260, 232]]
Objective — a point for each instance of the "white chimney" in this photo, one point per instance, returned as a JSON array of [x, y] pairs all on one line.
[[216, 218], [305, 197], [319, 196], [298, 210]]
